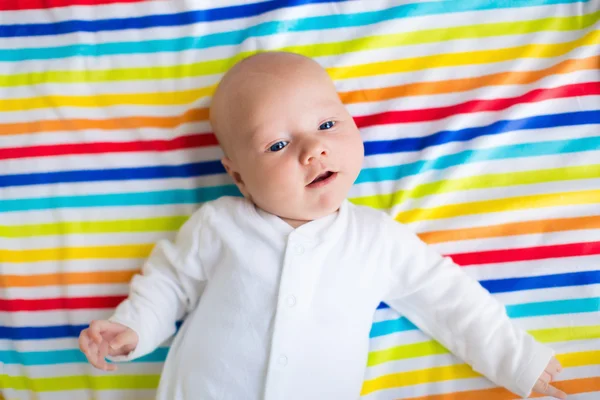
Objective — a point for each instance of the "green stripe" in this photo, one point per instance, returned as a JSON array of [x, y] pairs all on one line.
[[324, 49], [79, 382], [489, 181], [159, 224]]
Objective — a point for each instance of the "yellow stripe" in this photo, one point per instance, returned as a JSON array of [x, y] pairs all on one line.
[[78, 382], [432, 347], [487, 206], [105, 100], [580, 359], [500, 205], [158, 224], [402, 379], [460, 371], [76, 253]]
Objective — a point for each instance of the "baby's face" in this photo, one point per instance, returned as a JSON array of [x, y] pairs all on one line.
[[295, 148]]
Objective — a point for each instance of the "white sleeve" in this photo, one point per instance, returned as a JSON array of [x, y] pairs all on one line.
[[170, 285], [449, 305]]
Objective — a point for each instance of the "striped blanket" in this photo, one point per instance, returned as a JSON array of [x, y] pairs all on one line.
[[481, 127]]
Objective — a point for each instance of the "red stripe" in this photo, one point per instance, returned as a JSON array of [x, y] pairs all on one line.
[[61, 303], [430, 114], [527, 254], [464, 259], [15, 5], [179, 143]]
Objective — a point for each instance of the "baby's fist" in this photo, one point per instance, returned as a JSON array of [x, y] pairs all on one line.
[[543, 386], [105, 338]]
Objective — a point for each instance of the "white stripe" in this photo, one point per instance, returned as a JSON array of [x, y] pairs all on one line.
[[87, 265], [78, 369], [97, 214], [99, 135], [45, 292], [115, 187], [111, 160]]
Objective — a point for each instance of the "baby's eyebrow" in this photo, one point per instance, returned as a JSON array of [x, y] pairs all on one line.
[[256, 135]]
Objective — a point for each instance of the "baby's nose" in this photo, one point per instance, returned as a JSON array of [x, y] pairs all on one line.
[[314, 151]]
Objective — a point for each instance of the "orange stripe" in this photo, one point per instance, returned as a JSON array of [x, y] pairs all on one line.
[[194, 114], [574, 386], [462, 85], [70, 278], [363, 95], [512, 229]]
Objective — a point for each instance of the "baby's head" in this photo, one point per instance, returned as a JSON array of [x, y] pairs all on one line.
[[290, 145]]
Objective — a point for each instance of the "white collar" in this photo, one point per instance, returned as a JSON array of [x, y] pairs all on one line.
[[315, 231]]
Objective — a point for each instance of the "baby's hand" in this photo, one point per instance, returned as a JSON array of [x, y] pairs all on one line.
[[104, 338], [542, 386]]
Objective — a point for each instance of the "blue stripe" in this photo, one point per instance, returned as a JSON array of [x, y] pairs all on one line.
[[542, 282], [116, 174], [181, 196], [533, 149], [153, 21], [238, 36], [557, 307], [462, 135], [52, 357], [40, 332], [47, 332], [535, 282]]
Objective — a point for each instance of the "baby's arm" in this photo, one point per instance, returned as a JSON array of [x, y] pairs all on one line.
[[170, 285], [449, 305]]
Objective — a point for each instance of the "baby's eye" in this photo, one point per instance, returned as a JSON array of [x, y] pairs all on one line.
[[326, 125], [278, 146]]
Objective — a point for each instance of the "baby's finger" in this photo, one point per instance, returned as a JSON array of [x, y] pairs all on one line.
[[92, 355], [127, 338], [554, 368], [102, 353], [554, 365], [84, 341], [96, 328], [92, 349], [554, 392], [546, 377]]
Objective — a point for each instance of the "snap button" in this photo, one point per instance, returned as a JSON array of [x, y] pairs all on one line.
[[291, 301], [283, 360]]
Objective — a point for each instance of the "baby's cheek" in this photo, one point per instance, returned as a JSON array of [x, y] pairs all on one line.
[[279, 181]]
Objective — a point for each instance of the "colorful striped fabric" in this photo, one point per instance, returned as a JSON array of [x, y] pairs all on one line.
[[481, 123]]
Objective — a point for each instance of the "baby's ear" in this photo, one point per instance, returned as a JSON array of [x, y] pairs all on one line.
[[235, 175]]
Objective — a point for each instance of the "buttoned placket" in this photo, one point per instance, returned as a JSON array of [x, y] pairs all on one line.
[[294, 290]]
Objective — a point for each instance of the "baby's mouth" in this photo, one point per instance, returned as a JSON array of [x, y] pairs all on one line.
[[322, 179]]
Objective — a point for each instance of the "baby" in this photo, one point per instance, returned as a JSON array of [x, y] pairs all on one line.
[[279, 287]]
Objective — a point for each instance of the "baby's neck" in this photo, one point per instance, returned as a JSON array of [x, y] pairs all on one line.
[[295, 223]]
